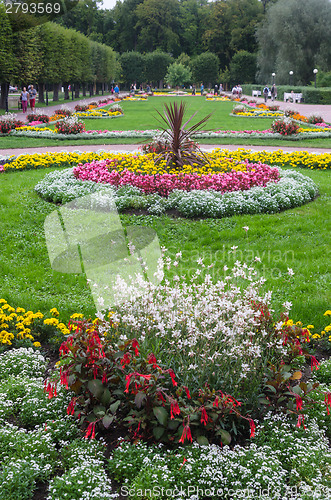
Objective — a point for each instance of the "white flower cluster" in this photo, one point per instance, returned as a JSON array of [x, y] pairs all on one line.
[[293, 190], [25, 362], [284, 463]]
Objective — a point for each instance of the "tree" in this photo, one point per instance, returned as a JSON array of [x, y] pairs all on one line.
[[295, 36], [7, 57], [158, 27], [133, 66], [178, 75], [156, 65], [205, 68], [243, 67], [184, 59]]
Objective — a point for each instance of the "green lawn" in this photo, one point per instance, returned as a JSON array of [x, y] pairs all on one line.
[[298, 239], [142, 115]]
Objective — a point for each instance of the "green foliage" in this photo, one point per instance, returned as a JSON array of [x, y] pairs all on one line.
[[7, 57], [132, 64], [283, 42], [158, 27], [178, 137], [243, 67], [156, 65], [118, 387], [178, 75], [205, 68]]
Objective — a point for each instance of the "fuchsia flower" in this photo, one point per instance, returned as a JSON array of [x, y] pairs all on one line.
[[186, 434]]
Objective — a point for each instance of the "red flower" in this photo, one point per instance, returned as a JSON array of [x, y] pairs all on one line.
[[187, 392], [128, 380], [186, 434], [174, 409], [299, 402], [252, 427], [104, 378], [71, 406], [90, 429], [172, 375], [314, 363], [135, 346], [327, 400], [153, 361], [126, 359], [216, 402], [204, 416], [301, 420], [184, 460]]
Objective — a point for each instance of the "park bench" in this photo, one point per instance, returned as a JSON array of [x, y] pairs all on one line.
[[256, 93], [297, 97]]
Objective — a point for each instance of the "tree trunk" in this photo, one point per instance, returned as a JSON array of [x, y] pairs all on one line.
[[41, 89], [161, 84], [55, 92], [91, 89], [77, 85], [84, 90], [4, 95], [66, 91]]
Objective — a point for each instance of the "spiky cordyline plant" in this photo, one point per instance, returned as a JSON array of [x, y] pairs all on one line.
[[179, 151]]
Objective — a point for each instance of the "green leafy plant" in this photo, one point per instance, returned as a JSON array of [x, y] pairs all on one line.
[[174, 131], [116, 386], [285, 126]]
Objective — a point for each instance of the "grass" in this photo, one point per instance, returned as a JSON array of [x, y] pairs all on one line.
[[142, 115], [298, 239]]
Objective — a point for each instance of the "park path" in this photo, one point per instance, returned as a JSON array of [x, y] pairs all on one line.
[[302, 108], [123, 148]]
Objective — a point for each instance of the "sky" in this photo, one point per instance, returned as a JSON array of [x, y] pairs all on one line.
[[107, 4]]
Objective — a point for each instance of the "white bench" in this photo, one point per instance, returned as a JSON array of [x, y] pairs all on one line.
[[256, 93], [297, 97]]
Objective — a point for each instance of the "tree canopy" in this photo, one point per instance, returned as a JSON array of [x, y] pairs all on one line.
[[295, 36]]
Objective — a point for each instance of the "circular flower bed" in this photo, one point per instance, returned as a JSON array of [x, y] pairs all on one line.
[[217, 190]]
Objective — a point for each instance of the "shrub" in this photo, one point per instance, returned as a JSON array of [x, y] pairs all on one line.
[[9, 122], [81, 107], [37, 117], [285, 126], [63, 111], [315, 119], [273, 107], [70, 125], [116, 385]]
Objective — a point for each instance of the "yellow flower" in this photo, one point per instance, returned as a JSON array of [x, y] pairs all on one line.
[[37, 344], [54, 312], [310, 326], [328, 328], [3, 301], [51, 321], [327, 313], [20, 310], [289, 322], [77, 316]]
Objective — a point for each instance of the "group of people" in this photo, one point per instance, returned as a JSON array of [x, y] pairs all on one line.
[[237, 91], [273, 92], [218, 89], [28, 96]]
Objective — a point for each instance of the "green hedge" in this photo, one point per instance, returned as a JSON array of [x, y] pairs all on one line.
[[310, 94]]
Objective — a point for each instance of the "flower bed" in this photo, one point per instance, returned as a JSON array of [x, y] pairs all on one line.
[[227, 158], [106, 172], [107, 134], [293, 189]]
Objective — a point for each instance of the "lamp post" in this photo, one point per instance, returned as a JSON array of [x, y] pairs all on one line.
[[273, 77], [291, 74], [315, 71]]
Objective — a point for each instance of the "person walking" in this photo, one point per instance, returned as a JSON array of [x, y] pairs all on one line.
[[216, 89], [24, 99], [193, 89], [117, 90], [273, 92], [202, 89], [32, 96], [265, 93]]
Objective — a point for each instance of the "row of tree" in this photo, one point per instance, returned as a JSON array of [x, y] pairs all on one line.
[[156, 67], [284, 35], [51, 55]]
